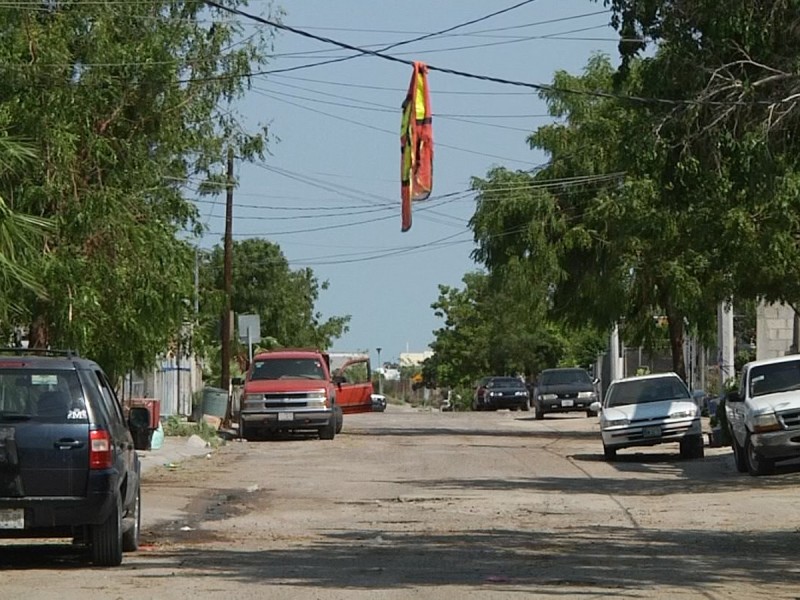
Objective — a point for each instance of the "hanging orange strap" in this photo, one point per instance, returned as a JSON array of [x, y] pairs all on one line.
[[416, 144]]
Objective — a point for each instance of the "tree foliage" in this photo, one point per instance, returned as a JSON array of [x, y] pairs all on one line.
[[491, 327], [126, 103], [731, 77], [264, 284], [19, 234]]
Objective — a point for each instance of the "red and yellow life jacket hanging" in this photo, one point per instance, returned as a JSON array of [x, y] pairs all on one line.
[[416, 144]]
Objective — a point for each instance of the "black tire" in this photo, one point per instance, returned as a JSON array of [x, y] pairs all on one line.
[[329, 431], [539, 413], [692, 446], [739, 456], [246, 433], [757, 465], [106, 539], [590, 414], [339, 419], [525, 407], [132, 524], [610, 454]]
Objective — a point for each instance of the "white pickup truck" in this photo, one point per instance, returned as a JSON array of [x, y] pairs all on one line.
[[764, 414]]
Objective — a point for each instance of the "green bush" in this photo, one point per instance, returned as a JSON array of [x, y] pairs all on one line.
[[179, 427]]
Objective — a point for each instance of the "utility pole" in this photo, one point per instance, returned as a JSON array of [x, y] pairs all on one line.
[[227, 269], [380, 373]]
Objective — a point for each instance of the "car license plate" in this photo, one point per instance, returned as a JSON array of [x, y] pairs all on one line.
[[285, 416], [12, 518], [566, 403], [651, 432]]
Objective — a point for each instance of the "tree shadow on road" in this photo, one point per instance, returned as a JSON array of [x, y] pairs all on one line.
[[625, 560]]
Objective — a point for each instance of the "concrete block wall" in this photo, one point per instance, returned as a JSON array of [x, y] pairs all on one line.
[[774, 330]]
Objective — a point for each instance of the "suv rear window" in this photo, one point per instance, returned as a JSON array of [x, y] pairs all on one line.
[[52, 396]]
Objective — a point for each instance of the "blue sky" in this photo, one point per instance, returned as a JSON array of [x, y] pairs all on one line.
[[329, 193]]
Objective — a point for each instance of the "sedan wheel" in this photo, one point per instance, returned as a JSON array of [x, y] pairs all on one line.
[[610, 454]]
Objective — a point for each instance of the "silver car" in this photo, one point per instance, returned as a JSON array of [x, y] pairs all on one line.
[[650, 410]]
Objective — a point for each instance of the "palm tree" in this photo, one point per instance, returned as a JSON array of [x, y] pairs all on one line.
[[19, 232]]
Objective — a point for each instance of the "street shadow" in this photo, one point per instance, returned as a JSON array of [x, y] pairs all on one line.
[[412, 432], [561, 561], [21, 554]]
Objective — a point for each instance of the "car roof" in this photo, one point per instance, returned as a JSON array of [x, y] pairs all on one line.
[[775, 360], [646, 377], [35, 359], [563, 369]]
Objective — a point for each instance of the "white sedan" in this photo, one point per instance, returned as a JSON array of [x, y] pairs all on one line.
[[650, 410]]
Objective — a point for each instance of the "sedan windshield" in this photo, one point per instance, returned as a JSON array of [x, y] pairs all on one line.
[[642, 391], [565, 377], [505, 382]]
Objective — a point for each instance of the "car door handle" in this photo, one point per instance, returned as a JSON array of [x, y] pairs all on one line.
[[65, 444]]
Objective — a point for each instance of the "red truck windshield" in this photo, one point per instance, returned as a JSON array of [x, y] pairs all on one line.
[[287, 368]]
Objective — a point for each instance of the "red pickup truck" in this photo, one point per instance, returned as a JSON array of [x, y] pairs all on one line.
[[297, 390]]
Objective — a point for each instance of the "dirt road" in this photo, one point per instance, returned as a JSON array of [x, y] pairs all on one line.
[[415, 504]]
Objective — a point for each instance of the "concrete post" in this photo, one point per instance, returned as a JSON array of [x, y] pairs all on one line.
[[725, 342]]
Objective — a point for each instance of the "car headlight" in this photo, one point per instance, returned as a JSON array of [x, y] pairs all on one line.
[[318, 399], [765, 422], [520, 393], [494, 393], [683, 414], [549, 397], [616, 422], [585, 395], [253, 398]]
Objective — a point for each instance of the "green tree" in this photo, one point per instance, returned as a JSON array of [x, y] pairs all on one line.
[[491, 326], [20, 235], [264, 284], [128, 105], [731, 85], [608, 222]]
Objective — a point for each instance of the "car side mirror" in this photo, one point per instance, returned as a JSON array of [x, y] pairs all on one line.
[[733, 396], [595, 407], [339, 380], [237, 381], [139, 426], [595, 381]]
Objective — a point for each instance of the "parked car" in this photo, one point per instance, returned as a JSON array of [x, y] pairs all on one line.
[[503, 392], [378, 403], [650, 410], [567, 389], [764, 414], [68, 466]]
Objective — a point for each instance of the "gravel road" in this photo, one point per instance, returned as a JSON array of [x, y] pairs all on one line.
[[420, 504]]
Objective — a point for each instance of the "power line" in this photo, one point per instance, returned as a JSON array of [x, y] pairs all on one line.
[[393, 133], [385, 48], [535, 86]]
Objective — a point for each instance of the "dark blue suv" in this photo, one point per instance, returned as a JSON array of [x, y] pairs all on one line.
[[68, 466]]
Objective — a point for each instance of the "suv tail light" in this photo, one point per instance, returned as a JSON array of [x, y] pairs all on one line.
[[99, 450]]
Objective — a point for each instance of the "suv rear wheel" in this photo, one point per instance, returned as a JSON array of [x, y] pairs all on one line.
[[106, 539], [132, 525]]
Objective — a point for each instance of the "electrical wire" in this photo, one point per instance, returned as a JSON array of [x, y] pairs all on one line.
[[488, 78], [390, 46], [393, 133]]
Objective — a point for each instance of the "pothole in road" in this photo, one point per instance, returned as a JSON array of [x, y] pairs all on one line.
[[220, 506]]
